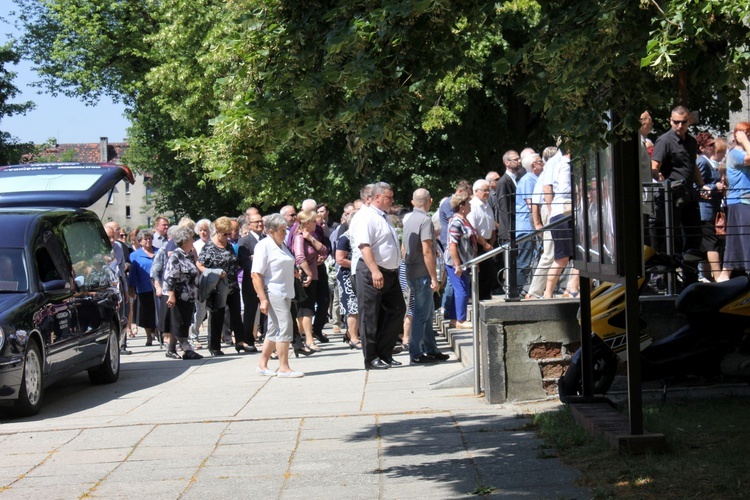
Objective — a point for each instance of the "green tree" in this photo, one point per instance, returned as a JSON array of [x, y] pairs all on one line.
[[628, 56], [263, 102], [11, 149]]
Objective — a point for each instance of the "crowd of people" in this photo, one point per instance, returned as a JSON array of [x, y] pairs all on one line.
[[709, 180], [379, 273]]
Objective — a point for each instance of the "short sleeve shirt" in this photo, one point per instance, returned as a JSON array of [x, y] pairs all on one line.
[[677, 156], [373, 229], [417, 228], [523, 212], [276, 265], [482, 218], [462, 234], [738, 176]]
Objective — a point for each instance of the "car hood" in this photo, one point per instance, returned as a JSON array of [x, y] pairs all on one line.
[[71, 185], [10, 300]]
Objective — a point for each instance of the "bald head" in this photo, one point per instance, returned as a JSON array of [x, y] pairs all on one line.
[[421, 199], [309, 204]]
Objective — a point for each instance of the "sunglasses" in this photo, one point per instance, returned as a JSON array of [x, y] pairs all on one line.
[[679, 122]]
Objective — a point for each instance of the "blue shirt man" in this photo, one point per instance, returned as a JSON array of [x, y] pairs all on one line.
[[527, 249]]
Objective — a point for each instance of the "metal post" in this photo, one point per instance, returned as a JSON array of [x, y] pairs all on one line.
[[669, 233], [511, 263], [586, 348], [475, 328]]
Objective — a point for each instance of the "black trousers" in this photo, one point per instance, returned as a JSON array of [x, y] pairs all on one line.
[[381, 313], [322, 300], [216, 322], [251, 301], [487, 276]]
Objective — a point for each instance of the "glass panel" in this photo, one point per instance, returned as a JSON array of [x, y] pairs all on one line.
[[91, 255], [592, 195], [47, 182], [578, 173], [607, 212], [13, 272]]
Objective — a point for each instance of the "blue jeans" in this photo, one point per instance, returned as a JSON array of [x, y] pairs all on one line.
[[524, 262], [447, 300], [422, 339], [461, 293]]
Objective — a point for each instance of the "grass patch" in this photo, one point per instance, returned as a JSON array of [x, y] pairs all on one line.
[[708, 452]]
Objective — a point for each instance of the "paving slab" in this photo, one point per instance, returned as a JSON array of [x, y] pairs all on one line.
[[214, 429]]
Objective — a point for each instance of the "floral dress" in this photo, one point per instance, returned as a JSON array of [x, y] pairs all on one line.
[[344, 278], [214, 257], [181, 276]]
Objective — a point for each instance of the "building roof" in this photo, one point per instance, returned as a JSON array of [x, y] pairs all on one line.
[[85, 152]]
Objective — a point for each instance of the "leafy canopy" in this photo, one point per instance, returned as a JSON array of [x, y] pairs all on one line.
[[267, 102]]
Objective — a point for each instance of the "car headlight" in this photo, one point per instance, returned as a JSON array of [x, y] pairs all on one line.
[[2, 338]]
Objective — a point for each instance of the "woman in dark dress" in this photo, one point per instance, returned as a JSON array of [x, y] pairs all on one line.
[[218, 253]]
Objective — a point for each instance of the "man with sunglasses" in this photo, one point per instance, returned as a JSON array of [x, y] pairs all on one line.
[[505, 202], [674, 158]]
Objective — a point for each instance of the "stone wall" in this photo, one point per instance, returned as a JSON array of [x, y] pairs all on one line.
[[526, 346]]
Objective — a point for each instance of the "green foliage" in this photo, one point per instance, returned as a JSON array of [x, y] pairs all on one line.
[[88, 48], [627, 56], [11, 150], [266, 102]]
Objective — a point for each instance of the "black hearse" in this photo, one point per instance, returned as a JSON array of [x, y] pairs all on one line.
[[59, 295]]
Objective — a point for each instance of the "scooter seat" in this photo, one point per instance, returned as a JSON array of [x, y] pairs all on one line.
[[700, 298]]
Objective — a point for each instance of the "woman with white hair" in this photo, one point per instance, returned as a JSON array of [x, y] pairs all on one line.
[[203, 230], [273, 279], [181, 287]]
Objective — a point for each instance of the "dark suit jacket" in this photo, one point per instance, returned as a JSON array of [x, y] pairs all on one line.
[[245, 249], [505, 200]]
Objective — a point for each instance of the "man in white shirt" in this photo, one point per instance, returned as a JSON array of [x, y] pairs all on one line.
[[483, 220], [161, 225], [379, 297], [557, 198]]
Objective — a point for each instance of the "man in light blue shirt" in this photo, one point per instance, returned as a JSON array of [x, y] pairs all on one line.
[[526, 250]]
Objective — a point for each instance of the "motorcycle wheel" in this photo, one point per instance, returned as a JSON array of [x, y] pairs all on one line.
[[604, 371]]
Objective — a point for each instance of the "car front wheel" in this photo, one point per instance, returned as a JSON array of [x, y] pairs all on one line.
[[109, 371], [30, 395]]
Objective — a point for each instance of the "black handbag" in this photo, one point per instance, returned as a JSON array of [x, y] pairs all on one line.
[[300, 295]]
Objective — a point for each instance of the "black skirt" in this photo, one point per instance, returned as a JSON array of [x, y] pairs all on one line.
[[146, 310], [307, 307], [181, 316]]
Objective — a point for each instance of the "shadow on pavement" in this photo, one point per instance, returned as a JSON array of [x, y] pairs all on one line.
[[76, 393], [466, 452]]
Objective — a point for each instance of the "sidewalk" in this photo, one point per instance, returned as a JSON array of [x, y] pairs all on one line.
[[214, 428]]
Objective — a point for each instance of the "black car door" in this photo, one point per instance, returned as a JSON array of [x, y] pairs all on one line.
[[98, 296], [56, 317]]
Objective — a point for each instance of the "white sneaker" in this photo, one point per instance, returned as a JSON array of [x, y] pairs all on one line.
[[265, 373], [291, 374]]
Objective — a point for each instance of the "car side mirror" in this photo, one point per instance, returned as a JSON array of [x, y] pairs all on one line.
[[56, 286]]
